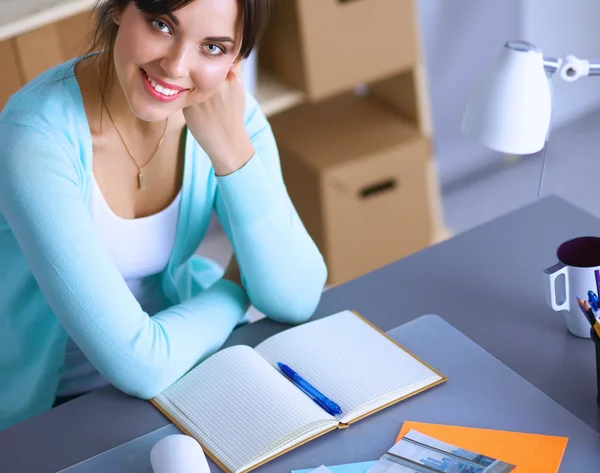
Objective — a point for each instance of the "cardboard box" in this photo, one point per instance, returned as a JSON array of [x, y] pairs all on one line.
[[74, 34], [325, 47], [407, 93], [45, 47], [358, 177], [10, 79], [38, 51]]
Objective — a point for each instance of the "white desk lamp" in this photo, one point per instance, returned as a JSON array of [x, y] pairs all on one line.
[[510, 108]]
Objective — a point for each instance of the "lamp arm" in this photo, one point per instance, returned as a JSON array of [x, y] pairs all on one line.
[[571, 68], [551, 65], [594, 68]]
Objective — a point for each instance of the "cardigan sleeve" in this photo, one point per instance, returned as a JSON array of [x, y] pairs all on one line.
[[282, 269], [41, 200]]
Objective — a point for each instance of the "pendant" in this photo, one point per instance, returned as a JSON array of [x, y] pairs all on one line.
[[141, 180]]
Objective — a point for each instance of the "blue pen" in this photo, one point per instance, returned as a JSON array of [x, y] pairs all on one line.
[[593, 300], [326, 404]]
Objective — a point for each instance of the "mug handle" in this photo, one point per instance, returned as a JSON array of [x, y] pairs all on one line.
[[551, 274]]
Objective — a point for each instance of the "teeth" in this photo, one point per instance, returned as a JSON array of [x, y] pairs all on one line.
[[160, 89]]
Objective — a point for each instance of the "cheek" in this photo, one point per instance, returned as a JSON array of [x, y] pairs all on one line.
[[124, 46], [133, 48]]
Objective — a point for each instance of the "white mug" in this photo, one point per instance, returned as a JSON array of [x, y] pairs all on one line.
[[572, 277]]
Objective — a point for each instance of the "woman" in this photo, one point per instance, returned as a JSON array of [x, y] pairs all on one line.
[[110, 167]]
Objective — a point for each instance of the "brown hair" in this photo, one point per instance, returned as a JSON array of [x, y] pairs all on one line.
[[253, 21]]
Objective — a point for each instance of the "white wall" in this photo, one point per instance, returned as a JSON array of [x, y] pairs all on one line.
[[559, 28], [460, 38]]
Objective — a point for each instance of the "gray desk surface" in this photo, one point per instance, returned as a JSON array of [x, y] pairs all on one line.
[[475, 395], [486, 282]]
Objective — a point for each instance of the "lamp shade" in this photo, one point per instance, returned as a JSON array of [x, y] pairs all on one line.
[[510, 107]]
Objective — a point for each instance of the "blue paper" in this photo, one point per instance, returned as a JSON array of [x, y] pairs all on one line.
[[361, 467]]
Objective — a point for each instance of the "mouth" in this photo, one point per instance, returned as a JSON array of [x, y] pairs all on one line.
[[159, 89]]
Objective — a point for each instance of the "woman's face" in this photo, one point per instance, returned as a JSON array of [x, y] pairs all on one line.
[[170, 62]]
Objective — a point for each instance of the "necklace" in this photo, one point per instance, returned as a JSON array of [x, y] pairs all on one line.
[[140, 177]]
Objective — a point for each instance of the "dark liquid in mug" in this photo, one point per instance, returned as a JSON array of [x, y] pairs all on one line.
[[583, 252]]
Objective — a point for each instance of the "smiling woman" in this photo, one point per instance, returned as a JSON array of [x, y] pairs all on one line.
[[110, 167]]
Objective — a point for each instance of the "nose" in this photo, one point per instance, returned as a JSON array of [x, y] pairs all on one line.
[[177, 61]]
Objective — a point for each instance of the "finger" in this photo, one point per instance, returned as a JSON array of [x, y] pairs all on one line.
[[235, 72]]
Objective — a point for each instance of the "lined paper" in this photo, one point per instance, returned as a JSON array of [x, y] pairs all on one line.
[[348, 361], [240, 407]]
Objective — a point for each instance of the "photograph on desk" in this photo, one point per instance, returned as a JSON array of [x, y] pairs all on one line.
[[419, 453], [529, 452], [247, 405]]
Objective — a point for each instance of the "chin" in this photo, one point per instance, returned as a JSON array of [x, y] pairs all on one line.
[[148, 111], [151, 116]]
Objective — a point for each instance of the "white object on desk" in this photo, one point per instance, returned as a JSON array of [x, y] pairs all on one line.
[[578, 259], [575, 283], [178, 453]]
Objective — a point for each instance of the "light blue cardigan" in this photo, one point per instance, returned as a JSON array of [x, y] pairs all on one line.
[[57, 278]]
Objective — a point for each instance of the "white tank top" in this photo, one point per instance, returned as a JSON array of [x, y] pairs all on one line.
[[140, 248]]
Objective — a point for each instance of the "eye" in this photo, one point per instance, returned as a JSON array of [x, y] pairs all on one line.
[[161, 26], [214, 49]]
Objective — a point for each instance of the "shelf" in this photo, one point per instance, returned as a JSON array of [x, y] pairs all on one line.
[[274, 96], [21, 16]]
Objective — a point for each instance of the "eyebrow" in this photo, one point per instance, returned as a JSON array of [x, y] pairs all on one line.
[[173, 18], [220, 39], [216, 39]]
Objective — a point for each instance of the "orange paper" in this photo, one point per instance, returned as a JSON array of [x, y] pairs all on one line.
[[531, 453]]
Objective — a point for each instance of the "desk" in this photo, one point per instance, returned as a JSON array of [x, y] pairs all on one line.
[[487, 283], [474, 395]]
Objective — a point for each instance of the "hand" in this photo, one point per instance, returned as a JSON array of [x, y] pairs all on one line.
[[217, 124]]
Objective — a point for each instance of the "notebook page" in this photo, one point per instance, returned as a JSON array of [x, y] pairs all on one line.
[[239, 407], [348, 361]]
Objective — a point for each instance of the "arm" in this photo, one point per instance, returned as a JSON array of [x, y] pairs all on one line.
[[282, 269], [40, 197]]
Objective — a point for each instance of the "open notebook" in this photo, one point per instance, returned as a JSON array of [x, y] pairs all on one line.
[[244, 411]]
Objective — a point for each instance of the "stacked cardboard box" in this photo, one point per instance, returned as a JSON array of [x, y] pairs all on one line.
[[358, 167]]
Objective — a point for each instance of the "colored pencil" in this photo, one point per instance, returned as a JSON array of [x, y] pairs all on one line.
[[589, 315]]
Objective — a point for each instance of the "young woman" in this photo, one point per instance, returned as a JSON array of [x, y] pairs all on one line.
[[110, 167]]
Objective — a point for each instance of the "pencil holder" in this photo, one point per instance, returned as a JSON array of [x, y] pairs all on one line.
[[596, 341]]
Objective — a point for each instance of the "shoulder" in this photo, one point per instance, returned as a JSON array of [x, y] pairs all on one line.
[[49, 112], [43, 130]]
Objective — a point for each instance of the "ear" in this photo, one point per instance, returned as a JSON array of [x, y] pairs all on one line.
[[117, 19]]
